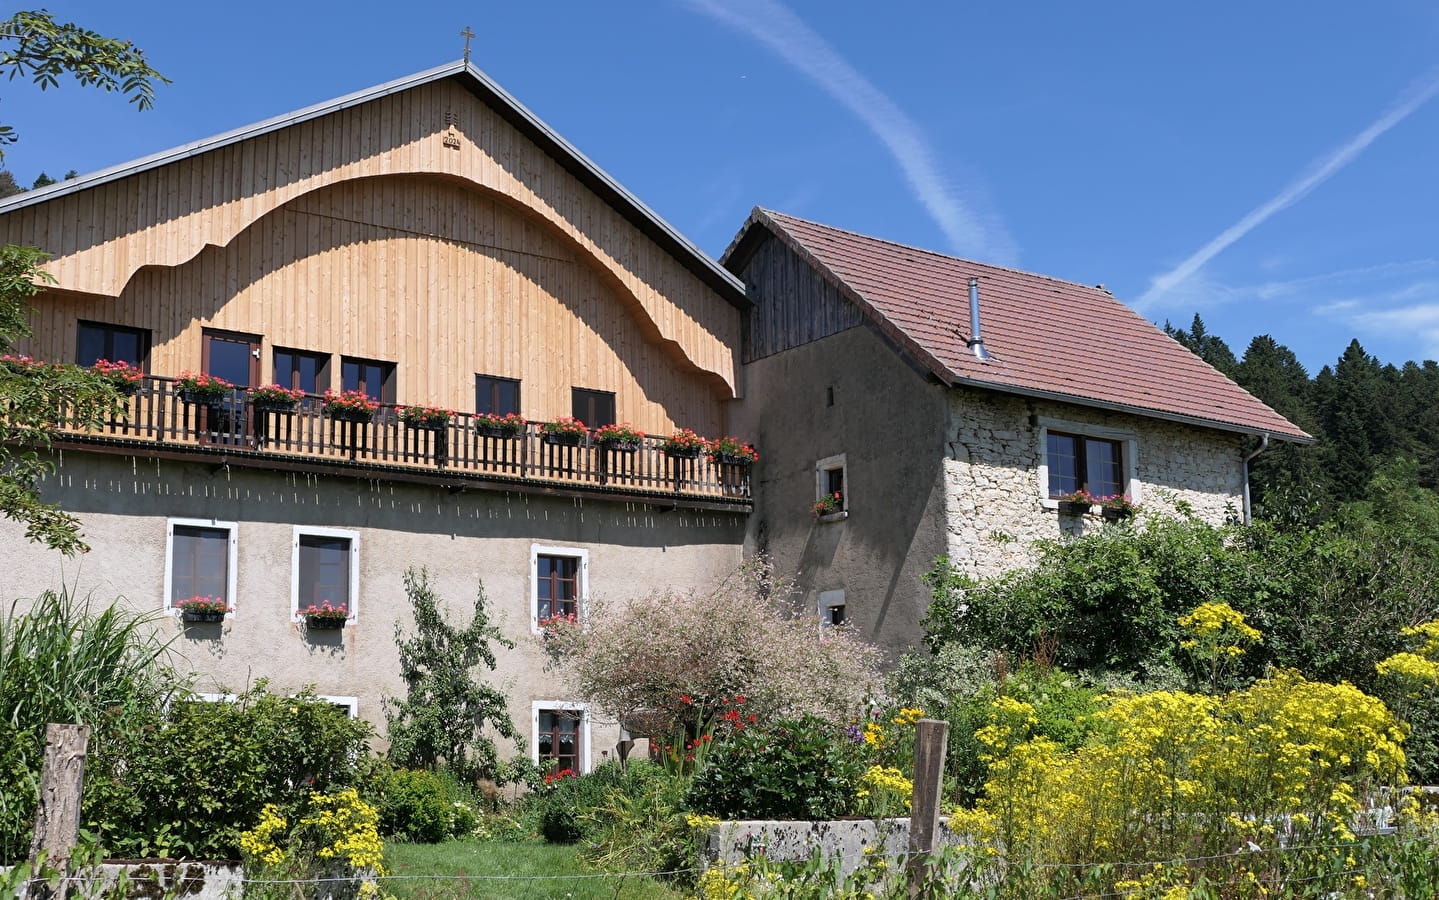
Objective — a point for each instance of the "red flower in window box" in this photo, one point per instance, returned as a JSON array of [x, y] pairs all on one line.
[[351, 406], [326, 615], [125, 377], [731, 451]]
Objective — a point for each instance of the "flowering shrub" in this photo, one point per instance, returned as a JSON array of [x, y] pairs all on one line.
[[623, 433], [276, 394], [349, 401], [332, 835], [326, 611], [203, 383], [425, 415], [203, 605], [565, 426], [1169, 774], [121, 374], [1217, 635], [684, 440], [730, 449], [513, 423], [678, 656], [827, 505], [20, 362]]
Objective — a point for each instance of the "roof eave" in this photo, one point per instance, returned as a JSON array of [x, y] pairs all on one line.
[[1146, 412], [566, 154]]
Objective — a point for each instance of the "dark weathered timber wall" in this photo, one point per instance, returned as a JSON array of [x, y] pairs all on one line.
[[793, 304]]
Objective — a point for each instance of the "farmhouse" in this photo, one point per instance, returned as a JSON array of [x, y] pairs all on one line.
[[944, 406], [430, 243]]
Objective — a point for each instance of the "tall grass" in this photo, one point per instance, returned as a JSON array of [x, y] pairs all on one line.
[[63, 661]]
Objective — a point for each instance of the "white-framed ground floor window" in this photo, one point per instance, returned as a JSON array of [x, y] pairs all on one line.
[[561, 731]]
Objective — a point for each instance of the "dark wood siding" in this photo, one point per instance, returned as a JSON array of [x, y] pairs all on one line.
[[793, 304]]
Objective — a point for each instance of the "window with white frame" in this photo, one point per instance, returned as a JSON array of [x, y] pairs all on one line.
[[325, 570], [562, 735], [831, 609], [350, 706], [200, 560], [829, 484], [1077, 457], [559, 583]]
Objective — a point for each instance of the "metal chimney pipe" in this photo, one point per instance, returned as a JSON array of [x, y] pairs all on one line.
[[976, 340]]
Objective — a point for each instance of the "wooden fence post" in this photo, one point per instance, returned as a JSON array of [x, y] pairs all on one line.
[[57, 818], [931, 738]]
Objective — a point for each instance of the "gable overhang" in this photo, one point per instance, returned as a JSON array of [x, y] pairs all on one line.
[[760, 225], [711, 273]]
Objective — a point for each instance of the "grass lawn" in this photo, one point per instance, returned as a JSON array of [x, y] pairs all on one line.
[[533, 871]]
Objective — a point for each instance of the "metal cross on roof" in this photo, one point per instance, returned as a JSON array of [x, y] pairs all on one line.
[[467, 34]]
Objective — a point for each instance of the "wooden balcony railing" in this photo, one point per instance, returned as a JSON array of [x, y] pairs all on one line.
[[158, 418]]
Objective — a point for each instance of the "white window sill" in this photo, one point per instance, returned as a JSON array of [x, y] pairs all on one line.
[[834, 516]]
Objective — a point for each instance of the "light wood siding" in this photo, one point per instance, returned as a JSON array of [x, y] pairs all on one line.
[[443, 280], [250, 198], [793, 304]]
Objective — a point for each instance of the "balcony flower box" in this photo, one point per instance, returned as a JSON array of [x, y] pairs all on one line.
[[325, 617], [194, 610], [350, 406], [1077, 503], [273, 398], [426, 418], [125, 378], [729, 451], [828, 505], [503, 427], [621, 438], [683, 444], [565, 431], [202, 389]]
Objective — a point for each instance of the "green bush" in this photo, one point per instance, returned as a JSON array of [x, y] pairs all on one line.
[[415, 807], [186, 783], [564, 798], [793, 769], [641, 826]]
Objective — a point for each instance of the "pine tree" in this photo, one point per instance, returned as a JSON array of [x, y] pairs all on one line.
[[1208, 347]]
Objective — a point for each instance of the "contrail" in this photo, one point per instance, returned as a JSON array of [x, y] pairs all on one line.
[[773, 25], [1415, 96]]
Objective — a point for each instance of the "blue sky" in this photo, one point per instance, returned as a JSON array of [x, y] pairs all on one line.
[[1273, 166]]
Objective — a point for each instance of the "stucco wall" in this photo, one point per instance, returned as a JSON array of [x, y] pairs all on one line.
[[996, 484], [463, 538], [887, 422]]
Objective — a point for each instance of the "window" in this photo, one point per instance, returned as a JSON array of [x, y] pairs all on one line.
[[497, 396], [325, 569], [376, 379], [594, 408], [831, 609], [560, 577], [299, 370], [116, 343], [233, 357], [829, 482], [200, 560], [561, 732], [1077, 462], [348, 706]]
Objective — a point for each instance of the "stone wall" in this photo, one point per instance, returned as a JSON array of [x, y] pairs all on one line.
[[996, 487]]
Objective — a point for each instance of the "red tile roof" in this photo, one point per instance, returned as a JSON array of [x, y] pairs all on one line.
[[1046, 337]]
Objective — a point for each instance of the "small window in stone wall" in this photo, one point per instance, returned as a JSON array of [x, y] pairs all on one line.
[[831, 488]]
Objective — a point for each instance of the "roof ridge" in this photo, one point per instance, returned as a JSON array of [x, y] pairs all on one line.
[[950, 256]]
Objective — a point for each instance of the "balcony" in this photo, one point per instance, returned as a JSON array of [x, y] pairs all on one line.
[[232, 431]]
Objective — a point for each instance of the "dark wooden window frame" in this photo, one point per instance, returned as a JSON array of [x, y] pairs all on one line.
[[141, 335], [387, 391], [558, 716], [585, 405], [289, 377], [1080, 474], [491, 384], [304, 592], [556, 581]]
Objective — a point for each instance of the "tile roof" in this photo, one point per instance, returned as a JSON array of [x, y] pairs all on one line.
[[1047, 337]]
